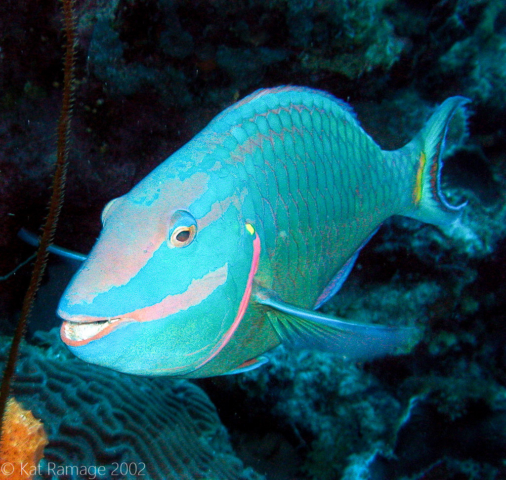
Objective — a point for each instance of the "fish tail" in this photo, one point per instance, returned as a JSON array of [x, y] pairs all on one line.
[[430, 205]]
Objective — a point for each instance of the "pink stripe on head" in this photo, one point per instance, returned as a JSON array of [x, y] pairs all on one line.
[[198, 290], [133, 232]]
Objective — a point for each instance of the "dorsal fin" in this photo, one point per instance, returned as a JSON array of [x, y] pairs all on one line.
[[279, 94]]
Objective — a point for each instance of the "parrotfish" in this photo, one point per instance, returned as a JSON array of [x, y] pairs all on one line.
[[227, 248]]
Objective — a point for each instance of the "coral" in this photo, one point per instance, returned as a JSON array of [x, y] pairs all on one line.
[[350, 38], [428, 437], [347, 37], [478, 59], [23, 442], [107, 60], [337, 409], [244, 65], [98, 421]]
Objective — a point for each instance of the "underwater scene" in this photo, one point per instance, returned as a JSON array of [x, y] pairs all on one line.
[[281, 250]]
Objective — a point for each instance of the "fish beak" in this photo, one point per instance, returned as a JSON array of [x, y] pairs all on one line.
[[77, 332]]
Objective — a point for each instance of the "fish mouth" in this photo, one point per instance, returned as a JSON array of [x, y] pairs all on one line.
[[79, 332]]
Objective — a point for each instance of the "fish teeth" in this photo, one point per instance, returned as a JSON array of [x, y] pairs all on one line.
[[82, 331]]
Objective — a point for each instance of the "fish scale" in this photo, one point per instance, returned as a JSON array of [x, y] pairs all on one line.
[[224, 250], [325, 175]]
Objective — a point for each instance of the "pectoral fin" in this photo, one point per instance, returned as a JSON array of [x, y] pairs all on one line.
[[303, 328]]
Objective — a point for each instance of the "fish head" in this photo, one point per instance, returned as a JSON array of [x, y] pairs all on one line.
[[167, 282]]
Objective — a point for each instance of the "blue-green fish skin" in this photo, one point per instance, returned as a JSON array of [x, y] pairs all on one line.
[[335, 187], [273, 200]]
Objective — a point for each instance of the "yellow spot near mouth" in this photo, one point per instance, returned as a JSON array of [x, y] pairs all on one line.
[[417, 194], [250, 228]]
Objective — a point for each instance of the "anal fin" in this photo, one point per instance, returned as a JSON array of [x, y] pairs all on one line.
[[248, 365], [337, 282]]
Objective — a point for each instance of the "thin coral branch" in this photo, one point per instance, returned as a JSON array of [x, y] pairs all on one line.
[[55, 204]]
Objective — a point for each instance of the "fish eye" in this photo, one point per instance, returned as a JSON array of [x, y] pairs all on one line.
[[183, 236], [183, 228], [107, 210]]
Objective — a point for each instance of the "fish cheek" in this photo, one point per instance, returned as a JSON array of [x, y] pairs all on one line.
[[180, 343], [105, 351]]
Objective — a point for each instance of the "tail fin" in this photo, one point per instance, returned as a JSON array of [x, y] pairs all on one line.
[[429, 204]]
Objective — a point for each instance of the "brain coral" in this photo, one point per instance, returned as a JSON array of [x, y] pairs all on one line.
[[132, 427]]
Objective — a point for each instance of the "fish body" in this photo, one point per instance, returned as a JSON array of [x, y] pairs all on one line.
[[225, 250]]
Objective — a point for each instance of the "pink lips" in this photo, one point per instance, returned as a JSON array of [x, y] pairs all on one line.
[[76, 333]]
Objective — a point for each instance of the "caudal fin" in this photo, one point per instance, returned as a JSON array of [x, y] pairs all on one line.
[[429, 204]]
